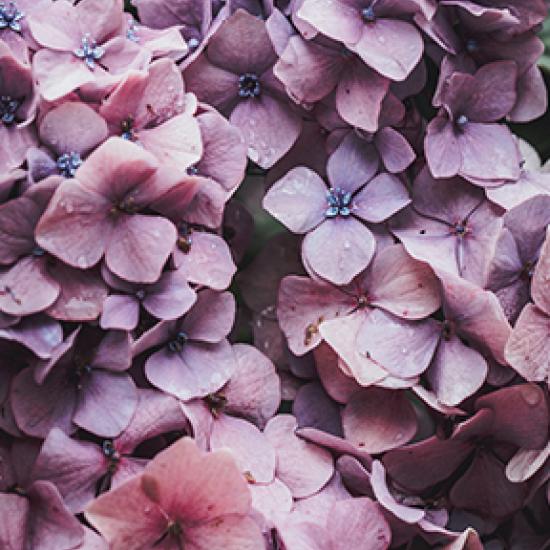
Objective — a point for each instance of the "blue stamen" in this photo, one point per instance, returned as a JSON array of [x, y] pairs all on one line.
[[8, 109], [68, 163], [249, 85], [89, 51], [338, 201], [10, 16]]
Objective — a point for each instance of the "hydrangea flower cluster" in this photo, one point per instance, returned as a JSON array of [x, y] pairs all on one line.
[[372, 372]]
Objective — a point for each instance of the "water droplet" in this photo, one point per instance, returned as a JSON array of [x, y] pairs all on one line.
[[253, 154], [347, 245], [82, 262], [404, 350]]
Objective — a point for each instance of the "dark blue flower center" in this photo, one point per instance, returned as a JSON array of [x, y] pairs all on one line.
[[192, 170], [461, 121], [249, 85], [132, 31], [10, 16], [460, 229], [109, 450], [8, 108], [38, 252], [193, 43], [176, 345], [368, 14], [140, 294], [472, 45], [68, 163], [89, 51], [338, 201]]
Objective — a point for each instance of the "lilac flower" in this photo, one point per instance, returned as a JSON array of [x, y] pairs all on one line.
[[244, 88], [372, 29], [305, 204], [464, 135]]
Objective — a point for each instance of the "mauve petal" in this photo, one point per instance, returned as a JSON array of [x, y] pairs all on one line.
[[338, 385], [13, 521], [228, 532], [494, 93], [74, 227], [441, 148], [478, 142], [27, 287], [51, 524], [17, 220], [396, 152], [298, 200], [313, 408], [528, 348], [212, 85], [208, 262], [309, 71], [380, 198], [477, 314], [484, 486], [211, 318], [391, 47], [106, 403], [126, 517], [338, 20], [72, 127], [47, 31], [120, 169], [520, 415], [296, 534], [253, 454], [303, 305], [525, 463], [401, 285], [540, 285], [242, 33], [404, 348], [384, 497], [140, 247], [176, 143], [38, 333], [113, 352], [120, 312], [349, 521], [200, 369], [170, 297], [59, 73], [532, 97], [254, 390], [101, 18], [457, 371], [224, 150], [468, 540], [351, 248], [378, 420], [303, 467], [348, 167], [15, 144], [341, 334], [194, 486], [74, 467], [269, 502], [157, 413], [426, 463], [82, 294], [267, 143], [359, 96]]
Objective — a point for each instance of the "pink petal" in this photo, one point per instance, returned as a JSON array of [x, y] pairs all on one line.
[[140, 247], [106, 403], [378, 420], [302, 466], [352, 247], [391, 47], [229, 532], [380, 198], [298, 200], [254, 455], [120, 312]]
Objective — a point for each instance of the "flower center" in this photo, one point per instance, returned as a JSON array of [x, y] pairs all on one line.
[[68, 163], [184, 239], [140, 294], [126, 206], [89, 51], [216, 402], [127, 129], [461, 229], [38, 252], [472, 45], [8, 108], [528, 271], [338, 201], [10, 16], [193, 43], [461, 121], [192, 170], [109, 450], [176, 345], [131, 31], [368, 14], [249, 85]]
